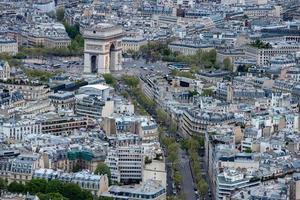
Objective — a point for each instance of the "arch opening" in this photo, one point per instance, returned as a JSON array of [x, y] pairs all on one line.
[[94, 64]]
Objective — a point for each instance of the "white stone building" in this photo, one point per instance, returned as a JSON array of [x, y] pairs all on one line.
[[4, 70], [126, 163], [8, 46]]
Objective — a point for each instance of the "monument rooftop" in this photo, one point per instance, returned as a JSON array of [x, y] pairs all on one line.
[[103, 31]]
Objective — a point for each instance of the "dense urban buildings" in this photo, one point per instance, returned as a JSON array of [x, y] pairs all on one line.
[[166, 99]]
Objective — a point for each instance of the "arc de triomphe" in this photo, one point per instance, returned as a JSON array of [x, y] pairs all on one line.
[[102, 49]]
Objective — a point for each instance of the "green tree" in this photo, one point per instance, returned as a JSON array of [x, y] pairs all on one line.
[[161, 115], [86, 195], [125, 94], [131, 81], [109, 79], [102, 168], [3, 185], [71, 191], [15, 187], [72, 31], [248, 150], [212, 56], [173, 127], [76, 168], [207, 92], [51, 196], [54, 186], [105, 198], [36, 185], [147, 160], [227, 64], [60, 14], [202, 187], [177, 177]]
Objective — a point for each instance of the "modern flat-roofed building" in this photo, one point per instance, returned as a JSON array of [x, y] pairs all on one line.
[[231, 180], [96, 90], [126, 163], [148, 190], [62, 125], [93, 106]]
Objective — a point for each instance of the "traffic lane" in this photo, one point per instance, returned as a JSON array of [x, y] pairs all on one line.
[[187, 179]]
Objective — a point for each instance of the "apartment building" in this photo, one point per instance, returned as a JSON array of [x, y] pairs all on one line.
[[93, 106], [49, 35], [133, 43], [30, 91], [62, 125], [18, 130], [260, 12], [8, 46], [147, 190], [20, 168], [231, 180], [195, 121], [4, 70], [84, 159], [264, 56], [139, 125], [10, 101], [62, 100], [189, 47], [126, 163], [96, 184]]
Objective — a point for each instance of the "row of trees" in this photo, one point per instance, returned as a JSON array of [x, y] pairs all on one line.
[[46, 190], [42, 75], [193, 146], [173, 151], [74, 49], [135, 92], [165, 121], [12, 60], [55, 189], [157, 50]]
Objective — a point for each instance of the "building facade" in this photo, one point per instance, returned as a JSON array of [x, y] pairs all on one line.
[[4, 70], [126, 163]]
